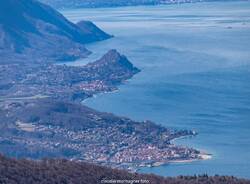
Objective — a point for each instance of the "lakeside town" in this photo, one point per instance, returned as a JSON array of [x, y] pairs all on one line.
[[41, 113], [86, 135], [43, 117], [64, 82]]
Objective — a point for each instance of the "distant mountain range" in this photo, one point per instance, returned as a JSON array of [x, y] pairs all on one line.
[[64, 4], [108, 3], [30, 30]]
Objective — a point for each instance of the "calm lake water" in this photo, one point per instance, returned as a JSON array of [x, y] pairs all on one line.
[[195, 62]]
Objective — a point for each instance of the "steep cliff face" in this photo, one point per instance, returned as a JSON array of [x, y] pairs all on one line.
[[30, 30]]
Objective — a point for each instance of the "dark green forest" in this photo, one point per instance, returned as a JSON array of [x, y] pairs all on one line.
[[60, 171]]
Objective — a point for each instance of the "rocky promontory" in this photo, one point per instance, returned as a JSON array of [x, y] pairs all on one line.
[[63, 82]]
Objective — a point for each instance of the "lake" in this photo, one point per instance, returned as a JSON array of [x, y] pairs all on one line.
[[195, 62]]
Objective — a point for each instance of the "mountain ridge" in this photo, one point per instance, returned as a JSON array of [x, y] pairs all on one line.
[[33, 31]]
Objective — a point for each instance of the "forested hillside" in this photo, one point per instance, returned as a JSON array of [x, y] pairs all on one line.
[[14, 171]]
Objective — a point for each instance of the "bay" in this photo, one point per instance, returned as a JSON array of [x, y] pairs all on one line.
[[195, 62]]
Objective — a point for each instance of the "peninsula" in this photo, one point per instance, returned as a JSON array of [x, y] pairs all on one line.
[[40, 110]]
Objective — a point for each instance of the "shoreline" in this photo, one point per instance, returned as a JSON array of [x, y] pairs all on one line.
[[203, 153], [98, 94], [203, 156]]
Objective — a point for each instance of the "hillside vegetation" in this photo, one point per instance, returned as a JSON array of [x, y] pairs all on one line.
[[14, 171]]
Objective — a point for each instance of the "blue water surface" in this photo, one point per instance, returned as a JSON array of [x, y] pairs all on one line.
[[195, 62]]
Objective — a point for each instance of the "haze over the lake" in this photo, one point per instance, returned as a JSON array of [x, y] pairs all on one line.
[[195, 62]]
